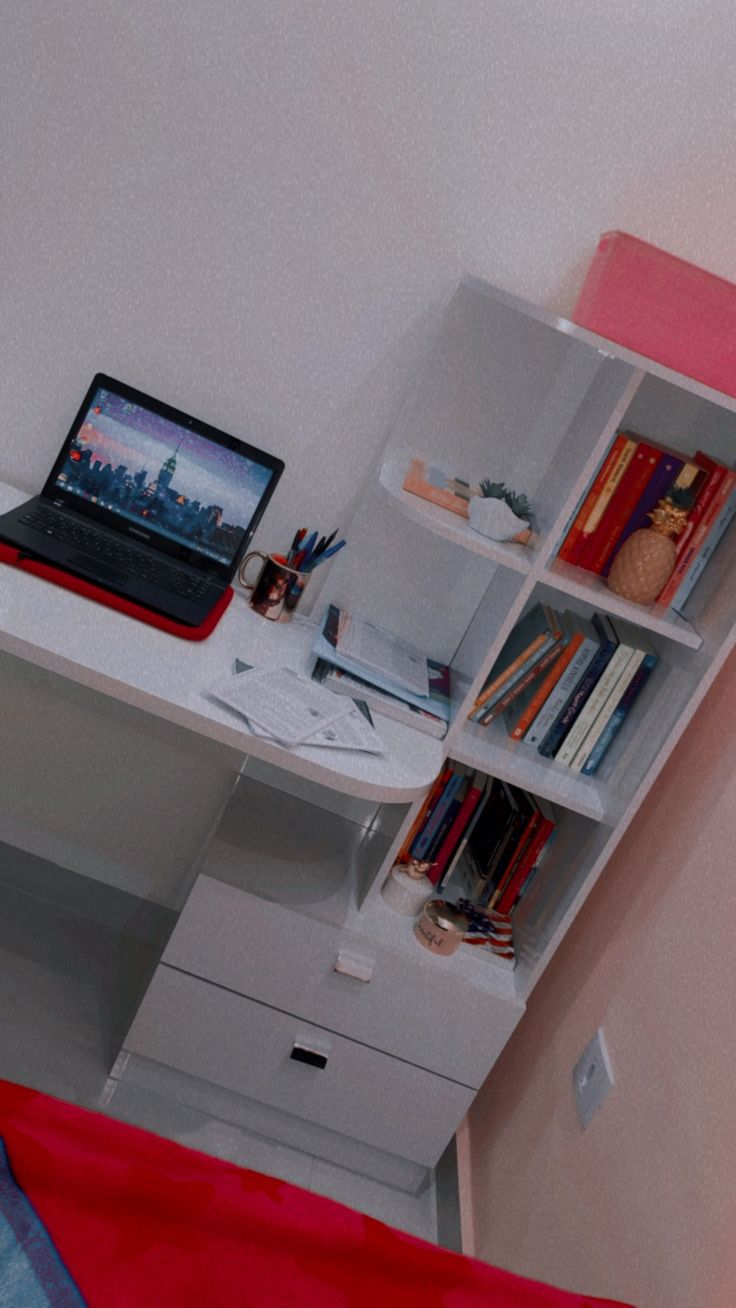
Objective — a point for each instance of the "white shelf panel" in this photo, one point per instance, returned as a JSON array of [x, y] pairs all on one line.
[[492, 751], [449, 525], [591, 588]]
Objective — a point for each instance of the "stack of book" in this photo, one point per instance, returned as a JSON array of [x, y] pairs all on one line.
[[633, 477], [484, 841], [570, 705], [359, 659]]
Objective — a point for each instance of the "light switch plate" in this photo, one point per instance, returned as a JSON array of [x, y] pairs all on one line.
[[592, 1078]]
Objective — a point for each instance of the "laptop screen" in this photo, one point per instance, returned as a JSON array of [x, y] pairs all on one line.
[[197, 496]]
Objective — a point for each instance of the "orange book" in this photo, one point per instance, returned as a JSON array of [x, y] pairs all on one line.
[[417, 483], [545, 687], [592, 508]]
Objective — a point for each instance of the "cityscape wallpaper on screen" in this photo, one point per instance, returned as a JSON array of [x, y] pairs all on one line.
[[146, 468]]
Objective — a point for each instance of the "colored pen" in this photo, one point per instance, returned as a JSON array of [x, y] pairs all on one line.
[[326, 554], [308, 550]]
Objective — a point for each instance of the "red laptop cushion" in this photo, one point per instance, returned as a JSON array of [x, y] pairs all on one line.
[[12, 556]]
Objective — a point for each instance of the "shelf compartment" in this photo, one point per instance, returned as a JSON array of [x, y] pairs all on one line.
[[592, 589], [449, 525], [288, 849], [492, 751]]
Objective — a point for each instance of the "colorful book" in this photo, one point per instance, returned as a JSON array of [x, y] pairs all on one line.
[[422, 844], [534, 633], [508, 898], [595, 502], [608, 643], [424, 813], [458, 827], [607, 710], [525, 706], [698, 537], [662, 480], [556, 701], [530, 678], [455, 858], [623, 503], [620, 714], [447, 818], [705, 492], [430, 483], [698, 563], [628, 644]]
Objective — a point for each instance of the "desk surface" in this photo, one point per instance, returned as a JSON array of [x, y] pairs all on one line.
[[135, 663]]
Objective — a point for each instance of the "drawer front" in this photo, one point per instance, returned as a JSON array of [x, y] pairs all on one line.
[[247, 1047], [412, 1006]]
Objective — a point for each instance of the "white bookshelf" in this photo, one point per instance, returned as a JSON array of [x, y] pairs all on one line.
[[544, 429]]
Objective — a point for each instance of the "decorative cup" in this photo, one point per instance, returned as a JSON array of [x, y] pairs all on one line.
[[277, 589]]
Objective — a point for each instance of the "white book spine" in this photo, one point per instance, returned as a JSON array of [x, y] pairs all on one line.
[[607, 711], [593, 705], [556, 701]]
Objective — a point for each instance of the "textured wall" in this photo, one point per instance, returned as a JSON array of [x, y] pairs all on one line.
[[642, 1205]]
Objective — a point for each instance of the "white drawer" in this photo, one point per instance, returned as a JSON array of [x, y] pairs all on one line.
[[247, 1047], [413, 1006]]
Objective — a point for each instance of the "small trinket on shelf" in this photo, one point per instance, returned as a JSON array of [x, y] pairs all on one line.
[[407, 887], [441, 927], [645, 562], [501, 514]]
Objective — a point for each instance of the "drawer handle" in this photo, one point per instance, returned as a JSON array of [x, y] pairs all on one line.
[[360, 969], [303, 1054]]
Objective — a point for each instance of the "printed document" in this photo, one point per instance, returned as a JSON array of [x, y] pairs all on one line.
[[377, 650]]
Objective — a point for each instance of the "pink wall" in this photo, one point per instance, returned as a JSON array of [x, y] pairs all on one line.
[[642, 1205]]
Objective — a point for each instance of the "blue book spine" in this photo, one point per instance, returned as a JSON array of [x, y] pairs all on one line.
[[423, 841], [564, 721], [619, 715], [698, 564]]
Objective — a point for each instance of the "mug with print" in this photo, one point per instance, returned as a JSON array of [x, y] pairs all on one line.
[[278, 588]]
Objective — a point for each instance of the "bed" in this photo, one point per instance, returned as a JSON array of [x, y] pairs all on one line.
[[95, 1212]]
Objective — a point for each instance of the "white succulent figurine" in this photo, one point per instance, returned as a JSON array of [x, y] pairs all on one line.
[[499, 513]]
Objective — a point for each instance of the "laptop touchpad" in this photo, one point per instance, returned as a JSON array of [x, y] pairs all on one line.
[[83, 563]]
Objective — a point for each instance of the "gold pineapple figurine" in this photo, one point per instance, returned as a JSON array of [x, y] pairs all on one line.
[[645, 561]]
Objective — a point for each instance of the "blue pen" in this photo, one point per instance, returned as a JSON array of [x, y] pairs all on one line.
[[307, 551], [328, 553]]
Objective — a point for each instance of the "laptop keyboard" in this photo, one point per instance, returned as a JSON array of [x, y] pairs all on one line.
[[136, 563]]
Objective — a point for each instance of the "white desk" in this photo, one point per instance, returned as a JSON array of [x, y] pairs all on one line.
[[168, 677]]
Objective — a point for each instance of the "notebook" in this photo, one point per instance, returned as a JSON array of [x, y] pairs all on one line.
[[147, 502]]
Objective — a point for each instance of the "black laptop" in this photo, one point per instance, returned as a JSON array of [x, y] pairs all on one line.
[[147, 502]]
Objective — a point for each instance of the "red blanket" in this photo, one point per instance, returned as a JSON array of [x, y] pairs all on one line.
[[140, 1222]]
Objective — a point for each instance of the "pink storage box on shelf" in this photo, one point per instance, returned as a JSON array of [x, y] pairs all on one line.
[[662, 307]]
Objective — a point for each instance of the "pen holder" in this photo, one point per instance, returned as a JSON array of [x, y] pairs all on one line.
[[277, 589]]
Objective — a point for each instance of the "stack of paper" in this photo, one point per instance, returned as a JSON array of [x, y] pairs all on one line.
[[357, 658], [291, 710]]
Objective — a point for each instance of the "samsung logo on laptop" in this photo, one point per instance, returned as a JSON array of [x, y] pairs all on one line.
[[136, 531]]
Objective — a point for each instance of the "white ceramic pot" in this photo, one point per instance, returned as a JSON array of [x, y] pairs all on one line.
[[494, 518]]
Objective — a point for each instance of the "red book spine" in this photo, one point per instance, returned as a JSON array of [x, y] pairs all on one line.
[[455, 834], [698, 538], [706, 495], [526, 863], [625, 500], [573, 542]]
